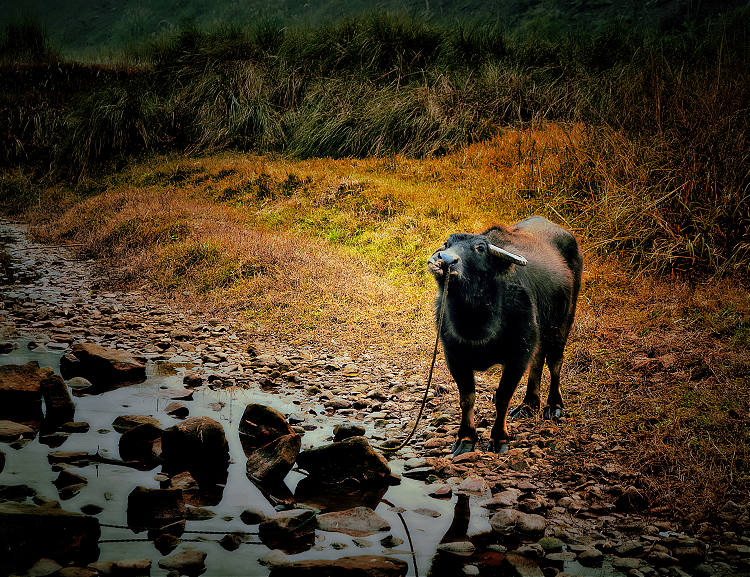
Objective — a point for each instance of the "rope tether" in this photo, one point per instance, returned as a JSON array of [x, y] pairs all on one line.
[[429, 376]]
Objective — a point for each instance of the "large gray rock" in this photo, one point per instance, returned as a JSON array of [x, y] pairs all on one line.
[[141, 444], [103, 367], [272, 462], [21, 392], [351, 459], [29, 533], [354, 566], [358, 522]]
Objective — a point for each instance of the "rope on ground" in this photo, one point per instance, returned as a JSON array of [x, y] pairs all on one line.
[[429, 376]]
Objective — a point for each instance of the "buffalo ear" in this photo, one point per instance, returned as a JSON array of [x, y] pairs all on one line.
[[508, 256]]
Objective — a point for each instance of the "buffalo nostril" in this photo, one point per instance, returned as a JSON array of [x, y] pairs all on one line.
[[448, 259]]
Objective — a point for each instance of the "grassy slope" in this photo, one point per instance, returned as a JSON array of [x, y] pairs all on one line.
[[95, 29], [332, 252]]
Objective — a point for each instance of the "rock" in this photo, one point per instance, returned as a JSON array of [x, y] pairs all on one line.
[[419, 473], [631, 500], [103, 367], [427, 512], [10, 431], [252, 517], [58, 405], [177, 409], [337, 404], [141, 444], [126, 422], [77, 572], [43, 568], [185, 562], [75, 458], [519, 566], [21, 392], [6, 348], [272, 462], [91, 509], [346, 431], [354, 566], [507, 521], [473, 485], [459, 548], [79, 384], [154, 508], [166, 543], [192, 380], [261, 425], [349, 459], [389, 541], [66, 478], [199, 514], [559, 558], [231, 541], [291, 531], [626, 563], [30, 532], [551, 544], [131, 567], [185, 482], [590, 557], [441, 491], [358, 522], [503, 499], [197, 445]]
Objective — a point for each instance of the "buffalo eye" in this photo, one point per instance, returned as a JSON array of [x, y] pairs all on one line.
[[479, 248]]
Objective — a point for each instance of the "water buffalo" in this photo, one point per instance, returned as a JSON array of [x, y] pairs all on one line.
[[511, 301]]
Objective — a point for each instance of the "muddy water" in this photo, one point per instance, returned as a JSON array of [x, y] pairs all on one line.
[[419, 520]]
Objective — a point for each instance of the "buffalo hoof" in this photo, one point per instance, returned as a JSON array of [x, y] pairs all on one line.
[[461, 447], [553, 413], [521, 412], [497, 446]]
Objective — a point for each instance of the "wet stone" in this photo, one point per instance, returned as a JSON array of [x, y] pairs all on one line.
[[441, 491], [177, 409], [10, 431], [261, 425], [291, 531], [185, 562], [272, 462], [126, 422], [358, 522], [360, 565], [459, 548], [252, 517], [507, 521], [520, 566], [346, 431]]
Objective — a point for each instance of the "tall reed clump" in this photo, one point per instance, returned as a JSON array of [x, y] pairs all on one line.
[[663, 172]]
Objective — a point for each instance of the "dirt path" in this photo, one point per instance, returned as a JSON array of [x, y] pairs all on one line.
[[595, 513]]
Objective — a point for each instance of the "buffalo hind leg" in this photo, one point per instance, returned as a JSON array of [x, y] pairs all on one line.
[[554, 408], [500, 436], [531, 403], [467, 432]]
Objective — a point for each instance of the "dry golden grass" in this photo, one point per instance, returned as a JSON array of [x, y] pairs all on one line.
[[332, 252]]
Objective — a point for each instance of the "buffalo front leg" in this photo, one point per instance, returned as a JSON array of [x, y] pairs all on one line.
[[500, 436], [467, 433]]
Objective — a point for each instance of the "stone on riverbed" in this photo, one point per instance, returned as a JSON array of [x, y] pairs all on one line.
[[126, 422], [354, 566], [103, 367], [185, 562], [346, 431], [21, 392], [261, 425], [291, 531], [141, 444], [352, 458], [10, 431], [507, 521], [30, 532], [357, 522], [58, 405], [197, 445], [272, 462], [153, 508]]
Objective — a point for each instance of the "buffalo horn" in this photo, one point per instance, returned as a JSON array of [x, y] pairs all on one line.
[[509, 256]]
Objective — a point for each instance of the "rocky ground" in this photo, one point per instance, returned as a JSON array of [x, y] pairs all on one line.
[[548, 515]]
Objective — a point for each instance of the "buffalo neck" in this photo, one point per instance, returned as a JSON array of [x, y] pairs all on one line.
[[473, 311]]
